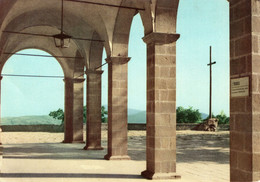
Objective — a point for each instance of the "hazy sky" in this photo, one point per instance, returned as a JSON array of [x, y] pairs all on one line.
[[201, 23]]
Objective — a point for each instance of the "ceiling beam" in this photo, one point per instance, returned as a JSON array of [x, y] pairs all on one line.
[[110, 5], [44, 35], [46, 56]]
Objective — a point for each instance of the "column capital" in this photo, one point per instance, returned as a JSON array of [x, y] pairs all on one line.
[[74, 80], [93, 71], [160, 38], [118, 60]]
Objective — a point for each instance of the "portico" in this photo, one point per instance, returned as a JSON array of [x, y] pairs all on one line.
[[110, 21]]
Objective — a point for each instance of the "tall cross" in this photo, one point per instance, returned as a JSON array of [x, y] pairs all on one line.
[[210, 82]]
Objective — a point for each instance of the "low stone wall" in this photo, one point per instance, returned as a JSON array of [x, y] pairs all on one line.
[[32, 128], [58, 128], [185, 126]]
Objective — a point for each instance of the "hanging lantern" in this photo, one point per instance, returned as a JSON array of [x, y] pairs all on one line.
[[62, 40]]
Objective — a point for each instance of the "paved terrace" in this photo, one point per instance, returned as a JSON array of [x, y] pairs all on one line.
[[40, 157]]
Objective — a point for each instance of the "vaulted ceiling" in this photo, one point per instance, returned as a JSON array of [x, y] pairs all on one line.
[[84, 20]]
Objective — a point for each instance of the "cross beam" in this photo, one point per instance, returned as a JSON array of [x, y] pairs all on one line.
[[109, 5], [45, 56], [35, 76], [45, 35], [210, 82]]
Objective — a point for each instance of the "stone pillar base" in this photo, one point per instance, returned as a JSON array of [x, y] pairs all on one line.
[[152, 175], [64, 141], [93, 148], [117, 157]]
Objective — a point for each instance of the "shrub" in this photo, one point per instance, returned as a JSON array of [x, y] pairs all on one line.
[[189, 115], [103, 115], [222, 118], [59, 114]]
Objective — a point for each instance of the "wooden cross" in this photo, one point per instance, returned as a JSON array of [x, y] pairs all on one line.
[[210, 82]]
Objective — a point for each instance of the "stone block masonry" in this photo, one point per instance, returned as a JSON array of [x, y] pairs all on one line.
[[117, 108], [244, 111], [161, 106]]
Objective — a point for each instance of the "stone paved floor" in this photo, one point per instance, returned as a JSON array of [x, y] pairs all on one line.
[[200, 157]]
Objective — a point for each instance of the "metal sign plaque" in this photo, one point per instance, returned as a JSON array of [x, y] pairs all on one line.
[[240, 87]]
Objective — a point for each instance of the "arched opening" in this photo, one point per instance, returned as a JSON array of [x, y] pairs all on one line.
[[202, 24], [136, 90], [137, 72], [32, 87], [104, 83]]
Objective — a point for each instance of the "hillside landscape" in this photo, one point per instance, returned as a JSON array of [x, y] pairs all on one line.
[[29, 120], [134, 116]]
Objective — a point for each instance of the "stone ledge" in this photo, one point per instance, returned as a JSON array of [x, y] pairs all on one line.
[[131, 126], [117, 157], [160, 38], [74, 80], [118, 60], [90, 71], [152, 175]]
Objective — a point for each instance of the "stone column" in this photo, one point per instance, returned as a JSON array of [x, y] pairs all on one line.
[[161, 106], [73, 119], [117, 108], [245, 106], [0, 110], [1, 146], [93, 141]]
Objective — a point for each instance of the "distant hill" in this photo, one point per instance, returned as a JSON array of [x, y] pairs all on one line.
[[134, 116], [29, 120], [130, 111], [204, 115], [139, 117]]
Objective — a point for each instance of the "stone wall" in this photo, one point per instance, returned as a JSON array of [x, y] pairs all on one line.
[[58, 128], [32, 128]]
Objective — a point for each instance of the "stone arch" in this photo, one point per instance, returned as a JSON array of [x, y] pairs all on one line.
[[160, 16], [95, 54], [7, 5], [121, 31], [44, 44], [59, 60], [37, 17], [147, 18], [95, 50], [74, 77], [46, 28], [166, 16]]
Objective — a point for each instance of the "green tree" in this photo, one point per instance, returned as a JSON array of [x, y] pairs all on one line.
[[103, 115], [59, 114], [189, 115], [222, 118]]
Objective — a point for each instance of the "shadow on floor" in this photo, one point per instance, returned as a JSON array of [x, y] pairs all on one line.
[[211, 147], [190, 148], [66, 175], [205, 147], [50, 151]]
